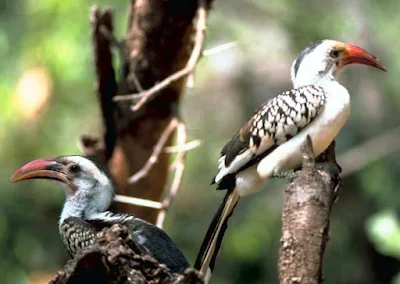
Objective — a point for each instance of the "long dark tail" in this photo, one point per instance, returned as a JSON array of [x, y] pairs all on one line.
[[209, 249]]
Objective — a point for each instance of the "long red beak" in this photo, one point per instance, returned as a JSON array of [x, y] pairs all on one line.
[[40, 168], [355, 54]]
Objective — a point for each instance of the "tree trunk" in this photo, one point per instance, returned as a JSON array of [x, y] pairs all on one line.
[[158, 42]]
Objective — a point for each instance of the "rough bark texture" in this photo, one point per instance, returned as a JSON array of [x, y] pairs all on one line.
[[114, 258], [305, 220], [158, 42]]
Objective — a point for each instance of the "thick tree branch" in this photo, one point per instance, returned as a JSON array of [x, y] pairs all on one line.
[[305, 220], [106, 86]]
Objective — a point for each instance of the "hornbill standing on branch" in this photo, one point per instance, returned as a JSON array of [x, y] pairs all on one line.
[[89, 192], [269, 143]]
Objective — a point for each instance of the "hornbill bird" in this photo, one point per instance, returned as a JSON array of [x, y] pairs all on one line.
[[269, 143], [89, 193]]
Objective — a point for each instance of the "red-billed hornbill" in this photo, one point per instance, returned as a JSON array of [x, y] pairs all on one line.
[[89, 193], [269, 143]]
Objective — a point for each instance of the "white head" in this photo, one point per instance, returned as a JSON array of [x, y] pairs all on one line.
[[88, 189], [319, 62]]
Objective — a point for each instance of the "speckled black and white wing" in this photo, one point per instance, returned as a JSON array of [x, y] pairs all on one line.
[[277, 121], [77, 234]]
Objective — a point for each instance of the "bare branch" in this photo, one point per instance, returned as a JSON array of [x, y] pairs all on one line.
[[189, 68], [183, 148], [219, 48], [179, 166], [156, 152], [106, 85], [138, 201], [370, 151]]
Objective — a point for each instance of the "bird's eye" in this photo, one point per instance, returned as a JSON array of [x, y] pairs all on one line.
[[74, 168], [334, 53]]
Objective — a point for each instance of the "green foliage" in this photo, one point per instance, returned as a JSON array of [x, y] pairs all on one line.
[[384, 230]]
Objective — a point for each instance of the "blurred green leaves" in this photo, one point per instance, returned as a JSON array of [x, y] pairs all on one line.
[[384, 230]]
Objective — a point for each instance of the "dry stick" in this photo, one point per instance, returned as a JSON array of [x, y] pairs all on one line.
[[156, 152], [183, 148], [370, 151], [179, 166], [219, 48], [189, 68], [138, 201]]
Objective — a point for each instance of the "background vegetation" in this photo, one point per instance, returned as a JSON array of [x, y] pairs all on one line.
[[47, 101]]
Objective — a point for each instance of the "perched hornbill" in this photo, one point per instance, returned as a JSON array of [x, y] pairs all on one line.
[[89, 193], [270, 142]]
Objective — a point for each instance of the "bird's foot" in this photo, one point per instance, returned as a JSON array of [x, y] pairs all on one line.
[[285, 175]]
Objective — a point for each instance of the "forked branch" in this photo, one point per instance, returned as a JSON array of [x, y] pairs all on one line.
[[149, 94]]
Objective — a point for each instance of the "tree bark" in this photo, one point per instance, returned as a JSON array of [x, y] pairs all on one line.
[[158, 42], [305, 220]]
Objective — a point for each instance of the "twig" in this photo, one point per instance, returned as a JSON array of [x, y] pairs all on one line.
[[178, 165], [156, 152], [136, 82], [370, 151], [183, 148], [219, 48], [179, 168], [138, 201], [189, 68]]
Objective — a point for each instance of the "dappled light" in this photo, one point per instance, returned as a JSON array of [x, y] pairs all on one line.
[[33, 93]]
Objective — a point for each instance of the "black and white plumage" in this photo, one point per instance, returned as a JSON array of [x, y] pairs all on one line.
[[277, 121], [89, 192], [270, 141]]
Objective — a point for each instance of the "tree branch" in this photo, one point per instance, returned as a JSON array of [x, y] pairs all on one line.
[[305, 220], [369, 151], [106, 86], [179, 167], [156, 152], [149, 94]]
